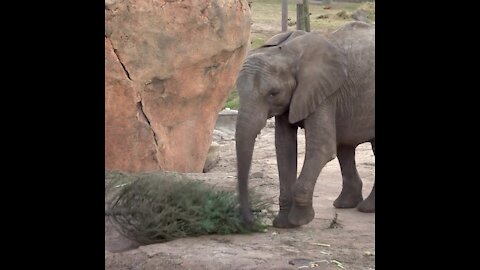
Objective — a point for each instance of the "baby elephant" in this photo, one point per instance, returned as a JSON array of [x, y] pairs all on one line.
[[324, 84]]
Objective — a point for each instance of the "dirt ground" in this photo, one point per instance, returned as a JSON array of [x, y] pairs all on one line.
[[351, 245]]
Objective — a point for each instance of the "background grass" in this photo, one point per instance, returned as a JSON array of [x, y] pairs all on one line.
[[267, 15]]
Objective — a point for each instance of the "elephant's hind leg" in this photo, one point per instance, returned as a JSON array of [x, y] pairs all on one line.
[[351, 194], [368, 205]]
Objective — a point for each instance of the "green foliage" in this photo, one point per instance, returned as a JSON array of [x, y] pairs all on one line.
[[152, 208], [232, 100]]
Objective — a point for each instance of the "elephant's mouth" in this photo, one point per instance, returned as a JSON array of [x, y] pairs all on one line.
[[277, 112]]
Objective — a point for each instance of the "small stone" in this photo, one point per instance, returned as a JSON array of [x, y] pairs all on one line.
[[257, 175], [369, 253], [213, 157]]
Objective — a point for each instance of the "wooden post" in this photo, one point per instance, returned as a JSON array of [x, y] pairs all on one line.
[[300, 15], [303, 15], [284, 15], [306, 15]]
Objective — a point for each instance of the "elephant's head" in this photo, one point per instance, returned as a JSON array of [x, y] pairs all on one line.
[[292, 73]]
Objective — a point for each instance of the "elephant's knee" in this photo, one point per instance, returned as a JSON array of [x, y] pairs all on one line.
[[302, 194]]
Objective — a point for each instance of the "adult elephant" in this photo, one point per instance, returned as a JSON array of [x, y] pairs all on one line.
[[324, 84]]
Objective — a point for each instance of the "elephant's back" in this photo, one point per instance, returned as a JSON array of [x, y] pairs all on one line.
[[359, 31], [356, 38]]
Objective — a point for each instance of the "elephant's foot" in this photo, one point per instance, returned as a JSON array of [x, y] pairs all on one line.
[[367, 206], [301, 215], [281, 220], [247, 219], [348, 200]]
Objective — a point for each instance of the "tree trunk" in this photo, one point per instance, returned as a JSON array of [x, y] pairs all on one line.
[[306, 15], [303, 15]]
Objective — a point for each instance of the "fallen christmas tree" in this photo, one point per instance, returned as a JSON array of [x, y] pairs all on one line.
[[153, 208]]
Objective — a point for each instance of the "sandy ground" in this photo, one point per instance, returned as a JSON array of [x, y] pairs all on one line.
[[349, 246]]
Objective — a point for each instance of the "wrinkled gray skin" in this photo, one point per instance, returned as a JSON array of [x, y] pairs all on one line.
[[324, 84]]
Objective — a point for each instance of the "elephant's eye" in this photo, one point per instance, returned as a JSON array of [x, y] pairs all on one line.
[[273, 93]]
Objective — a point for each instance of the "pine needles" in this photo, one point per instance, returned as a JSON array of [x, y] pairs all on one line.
[[152, 208]]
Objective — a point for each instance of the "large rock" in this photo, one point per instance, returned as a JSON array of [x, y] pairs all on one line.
[[168, 68]]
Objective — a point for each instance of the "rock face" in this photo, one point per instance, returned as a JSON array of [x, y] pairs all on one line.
[[169, 66]]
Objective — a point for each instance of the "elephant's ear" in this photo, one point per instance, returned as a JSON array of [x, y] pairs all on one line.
[[282, 38], [321, 70]]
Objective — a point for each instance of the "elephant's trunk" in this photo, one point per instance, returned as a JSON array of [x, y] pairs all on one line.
[[247, 127]]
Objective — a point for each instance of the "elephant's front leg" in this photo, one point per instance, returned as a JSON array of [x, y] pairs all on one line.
[[286, 149], [320, 148]]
